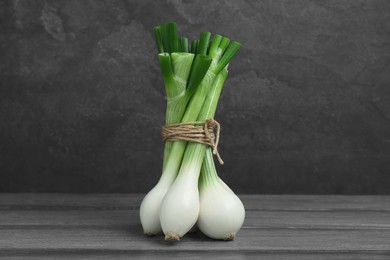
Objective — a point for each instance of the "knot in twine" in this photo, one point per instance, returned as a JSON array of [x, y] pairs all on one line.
[[206, 132]]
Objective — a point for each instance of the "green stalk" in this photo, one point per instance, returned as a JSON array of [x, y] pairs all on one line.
[[192, 111], [183, 46], [176, 105], [228, 55], [203, 42], [176, 70], [169, 37], [157, 37], [208, 173], [200, 82], [182, 73], [215, 45], [196, 105], [195, 152], [194, 46]]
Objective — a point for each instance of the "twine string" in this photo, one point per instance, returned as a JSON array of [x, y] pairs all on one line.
[[206, 132]]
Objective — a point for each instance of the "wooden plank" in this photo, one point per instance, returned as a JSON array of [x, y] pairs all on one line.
[[253, 240], [46, 201], [100, 226], [316, 202], [192, 255], [318, 219], [259, 219]]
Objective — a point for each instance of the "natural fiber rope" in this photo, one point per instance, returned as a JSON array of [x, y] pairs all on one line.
[[199, 132]]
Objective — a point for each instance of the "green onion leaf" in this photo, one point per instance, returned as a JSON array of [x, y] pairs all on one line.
[[214, 45], [194, 46], [157, 37], [167, 71], [199, 69], [169, 37], [183, 44], [224, 44], [227, 56], [203, 43]]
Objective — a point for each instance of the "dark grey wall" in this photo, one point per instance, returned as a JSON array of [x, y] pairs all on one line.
[[306, 108]]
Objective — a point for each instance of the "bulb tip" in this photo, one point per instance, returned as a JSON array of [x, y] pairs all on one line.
[[229, 237], [172, 237]]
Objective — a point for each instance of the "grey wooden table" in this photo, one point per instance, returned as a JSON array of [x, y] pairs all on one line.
[[101, 226]]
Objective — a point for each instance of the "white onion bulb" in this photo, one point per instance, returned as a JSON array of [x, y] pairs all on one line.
[[221, 212], [180, 206], [150, 209]]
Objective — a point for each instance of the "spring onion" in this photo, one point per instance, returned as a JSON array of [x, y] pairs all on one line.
[[221, 212], [193, 77], [180, 206], [179, 86]]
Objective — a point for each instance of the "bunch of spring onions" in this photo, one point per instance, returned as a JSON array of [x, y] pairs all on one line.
[[189, 192]]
